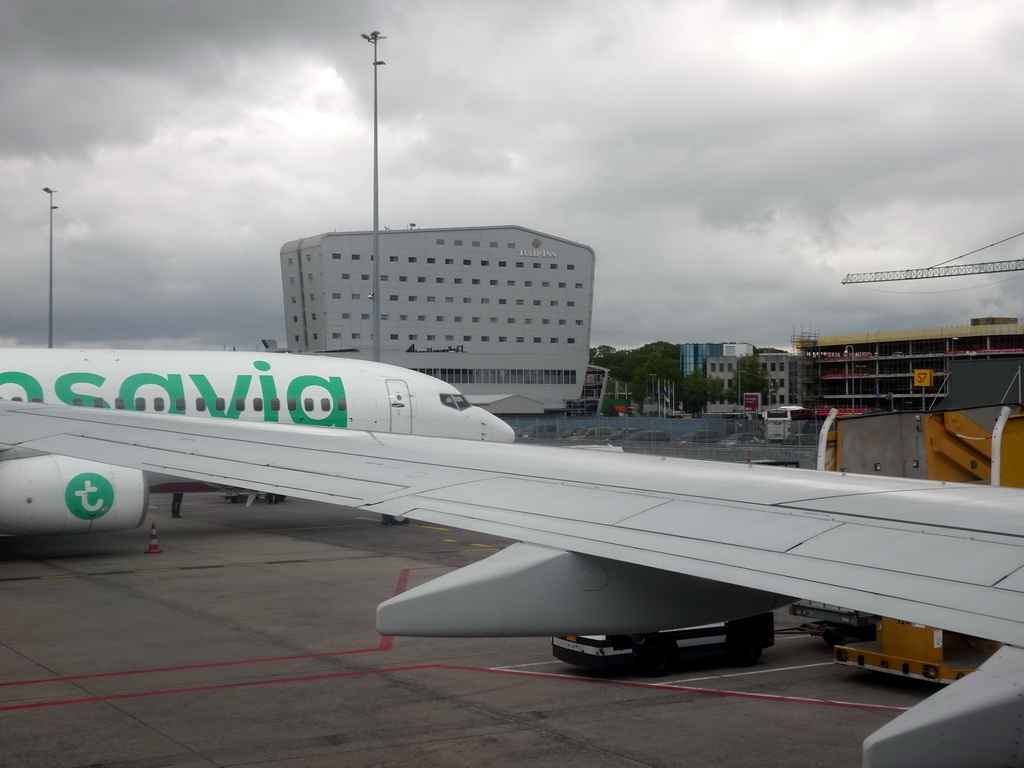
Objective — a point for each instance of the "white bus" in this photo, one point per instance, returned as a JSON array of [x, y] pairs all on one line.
[[778, 422]]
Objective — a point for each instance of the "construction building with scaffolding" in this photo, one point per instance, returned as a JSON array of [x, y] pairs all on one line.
[[901, 370]]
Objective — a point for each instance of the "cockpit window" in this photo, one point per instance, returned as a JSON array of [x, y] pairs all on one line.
[[458, 402]]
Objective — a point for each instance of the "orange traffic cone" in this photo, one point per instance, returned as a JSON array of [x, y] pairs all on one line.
[[154, 545]]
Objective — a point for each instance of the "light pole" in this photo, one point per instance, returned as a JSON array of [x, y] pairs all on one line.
[[49, 342], [372, 38], [849, 371]]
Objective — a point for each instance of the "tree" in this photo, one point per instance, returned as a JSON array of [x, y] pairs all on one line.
[[697, 390], [750, 377]]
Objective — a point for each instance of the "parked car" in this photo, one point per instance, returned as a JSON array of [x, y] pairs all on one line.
[[623, 434], [547, 431], [589, 435], [649, 436], [701, 436], [742, 438]]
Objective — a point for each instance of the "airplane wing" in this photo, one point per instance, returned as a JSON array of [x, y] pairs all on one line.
[[948, 555], [612, 540]]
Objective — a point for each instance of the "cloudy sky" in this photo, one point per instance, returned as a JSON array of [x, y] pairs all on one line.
[[728, 160]]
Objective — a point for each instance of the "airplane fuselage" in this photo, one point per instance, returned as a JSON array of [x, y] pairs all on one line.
[[269, 388]]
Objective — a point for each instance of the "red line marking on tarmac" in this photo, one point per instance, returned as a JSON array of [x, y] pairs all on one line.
[[386, 643], [455, 668]]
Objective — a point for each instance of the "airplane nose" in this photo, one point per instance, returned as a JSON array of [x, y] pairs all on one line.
[[501, 432]]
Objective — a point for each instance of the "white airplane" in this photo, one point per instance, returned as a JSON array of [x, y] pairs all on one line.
[[619, 543], [277, 389]]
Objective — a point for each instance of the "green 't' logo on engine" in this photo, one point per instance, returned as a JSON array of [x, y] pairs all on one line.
[[89, 496]]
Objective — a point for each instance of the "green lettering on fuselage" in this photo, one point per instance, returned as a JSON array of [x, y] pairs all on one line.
[[68, 389], [171, 384], [269, 389], [335, 417], [33, 391], [208, 393], [62, 388]]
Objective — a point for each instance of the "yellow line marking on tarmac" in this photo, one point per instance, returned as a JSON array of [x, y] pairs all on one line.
[[62, 576], [155, 570], [431, 527], [450, 541], [484, 546]]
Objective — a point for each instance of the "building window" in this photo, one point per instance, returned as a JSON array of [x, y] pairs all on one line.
[[392, 258], [335, 295], [439, 241], [356, 296], [449, 261], [570, 266], [412, 259], [458, 242], [356, 257], [393, 297], [333, 256], [438, 279]]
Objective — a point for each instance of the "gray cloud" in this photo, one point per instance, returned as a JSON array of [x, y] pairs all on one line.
[[729, 162]]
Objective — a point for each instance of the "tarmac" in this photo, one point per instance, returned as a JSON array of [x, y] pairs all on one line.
[[249, 640]]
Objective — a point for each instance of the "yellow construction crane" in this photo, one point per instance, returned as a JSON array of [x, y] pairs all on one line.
[[941, 270], [982, 268]]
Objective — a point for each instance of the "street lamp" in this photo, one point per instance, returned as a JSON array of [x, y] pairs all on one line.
[[49, 343], [849, 371], [372, 38]]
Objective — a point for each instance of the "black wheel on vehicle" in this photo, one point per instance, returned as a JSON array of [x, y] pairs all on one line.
[[233, 499], [654, 659], [833, 636], [743, 655]]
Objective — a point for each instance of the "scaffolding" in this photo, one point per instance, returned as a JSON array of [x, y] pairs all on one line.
[[899, 370]]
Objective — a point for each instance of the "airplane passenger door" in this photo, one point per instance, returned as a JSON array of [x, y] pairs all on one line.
[[400, 406]]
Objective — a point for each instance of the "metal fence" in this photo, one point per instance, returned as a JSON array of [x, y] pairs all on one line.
[[741, 440]]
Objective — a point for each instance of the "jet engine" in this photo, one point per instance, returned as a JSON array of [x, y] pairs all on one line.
[[51, 495]]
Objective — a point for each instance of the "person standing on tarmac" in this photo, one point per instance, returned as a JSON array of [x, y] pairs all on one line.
[[176, 500]]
